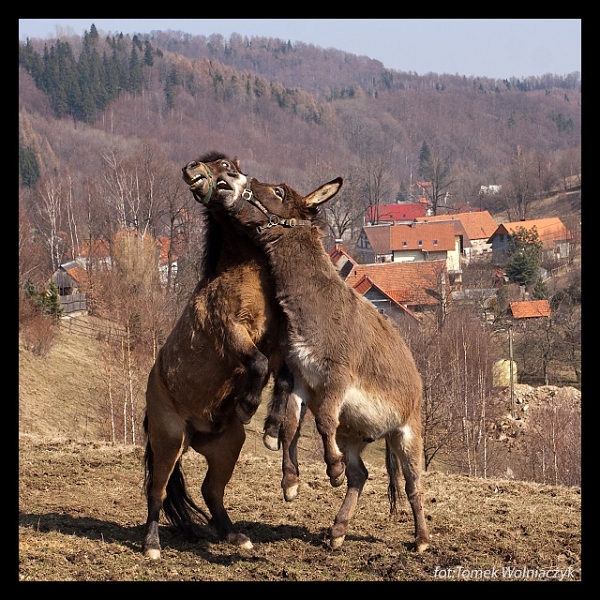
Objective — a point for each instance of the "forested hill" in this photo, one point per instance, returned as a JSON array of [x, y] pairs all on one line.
[[291, 112]]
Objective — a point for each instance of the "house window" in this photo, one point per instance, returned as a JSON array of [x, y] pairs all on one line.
[[404, 244], [435, 242], [420, 242]]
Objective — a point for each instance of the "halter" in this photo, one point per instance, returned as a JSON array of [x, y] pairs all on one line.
[[248, 196]]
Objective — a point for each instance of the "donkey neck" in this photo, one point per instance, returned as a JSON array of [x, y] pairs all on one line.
[[301, 269]]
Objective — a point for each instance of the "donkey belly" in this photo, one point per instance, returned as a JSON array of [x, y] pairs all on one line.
[[365, 414]]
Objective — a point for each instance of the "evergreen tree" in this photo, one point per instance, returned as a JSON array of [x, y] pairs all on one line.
[[28, 167], [135, 73], [524, 256], [148, 54], [424, 160], [540, 290]]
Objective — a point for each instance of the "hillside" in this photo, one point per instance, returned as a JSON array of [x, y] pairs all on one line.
[[291, 113], [82, 514], [82, 508]]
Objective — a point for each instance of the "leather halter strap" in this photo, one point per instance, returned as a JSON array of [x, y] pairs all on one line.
[[248, 196]]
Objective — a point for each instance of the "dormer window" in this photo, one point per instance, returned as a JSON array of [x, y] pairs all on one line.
[[435, 242]]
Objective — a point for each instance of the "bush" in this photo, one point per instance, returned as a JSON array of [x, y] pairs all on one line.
[[38, 334]]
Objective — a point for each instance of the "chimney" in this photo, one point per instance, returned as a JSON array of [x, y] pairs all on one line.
[[338, 244]]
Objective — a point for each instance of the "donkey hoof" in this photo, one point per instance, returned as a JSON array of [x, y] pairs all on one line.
[[152, 553], [336, 481], [243, 415], [421, 546], [272, 443], [239, 540], [290, 493], [336, 543]]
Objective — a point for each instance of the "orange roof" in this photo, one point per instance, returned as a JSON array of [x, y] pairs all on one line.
[[477, 225], [548, 230], [77, 272], [411, 283], [366, 283], [530, 309], [98, 248], [422, 236]]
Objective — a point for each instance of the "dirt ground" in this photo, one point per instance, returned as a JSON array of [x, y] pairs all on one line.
[[81, 515]]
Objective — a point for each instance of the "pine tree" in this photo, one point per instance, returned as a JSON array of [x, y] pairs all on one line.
[[28, 167], [524, 256], [424, 159]]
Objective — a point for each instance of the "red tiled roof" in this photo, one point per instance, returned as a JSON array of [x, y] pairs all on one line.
[[530, 309], [415, 283], [477, 225], [366, 283], [395, 212], [422, 236]]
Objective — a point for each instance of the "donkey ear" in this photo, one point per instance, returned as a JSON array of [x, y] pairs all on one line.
[[236, 163], [324, 193]]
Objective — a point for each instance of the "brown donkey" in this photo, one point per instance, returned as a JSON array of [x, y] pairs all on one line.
[[360, 389], [208, 376]]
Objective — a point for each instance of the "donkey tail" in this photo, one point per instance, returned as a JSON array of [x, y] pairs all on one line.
[[393, 468], [178, 505]]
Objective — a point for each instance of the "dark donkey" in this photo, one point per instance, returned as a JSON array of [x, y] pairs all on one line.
[[360, 389], [208, 376]]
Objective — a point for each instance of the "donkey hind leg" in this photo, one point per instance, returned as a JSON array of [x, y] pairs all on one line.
[[357, 474], [407, 444], [327, 421], [221, 453], [276, 411], [162, 454], [290, 434]]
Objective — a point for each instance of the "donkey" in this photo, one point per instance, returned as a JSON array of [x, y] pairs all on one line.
[[208, 377], [360, 387]]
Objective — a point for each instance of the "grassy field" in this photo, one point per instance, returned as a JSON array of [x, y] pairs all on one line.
[[82, 509], [81, 515]]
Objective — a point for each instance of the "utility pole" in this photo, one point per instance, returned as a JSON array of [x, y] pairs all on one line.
[[512, 379]]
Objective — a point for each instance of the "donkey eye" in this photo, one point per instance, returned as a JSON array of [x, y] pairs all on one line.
[[225, 164], [279, 192]]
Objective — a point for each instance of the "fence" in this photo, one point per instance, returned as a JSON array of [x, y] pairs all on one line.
[[73, 303]]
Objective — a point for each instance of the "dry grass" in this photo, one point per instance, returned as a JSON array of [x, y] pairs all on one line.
[[81, 506], [82, 512]]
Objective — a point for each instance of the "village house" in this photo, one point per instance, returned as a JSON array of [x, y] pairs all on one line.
[[478, 226], [555, 237], [529, 309], [414, 242], [400, 289]]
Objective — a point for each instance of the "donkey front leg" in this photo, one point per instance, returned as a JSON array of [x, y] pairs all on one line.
[[276, 411], [256, 374], [290, 433]]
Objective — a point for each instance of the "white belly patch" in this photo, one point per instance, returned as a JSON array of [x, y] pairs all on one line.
[[367, 414]]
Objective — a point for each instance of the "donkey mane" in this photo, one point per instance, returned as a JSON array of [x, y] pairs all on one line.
[[213, 230]]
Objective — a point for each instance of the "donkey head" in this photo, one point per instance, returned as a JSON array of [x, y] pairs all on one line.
[[261, 206], [214, 171]]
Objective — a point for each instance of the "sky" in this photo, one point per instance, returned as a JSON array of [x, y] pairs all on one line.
[[496, 48]]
